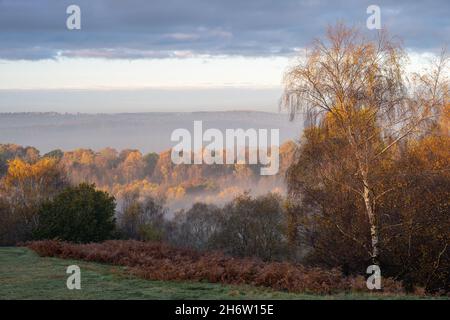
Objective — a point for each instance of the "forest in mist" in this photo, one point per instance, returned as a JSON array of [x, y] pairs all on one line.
[[128, 171]]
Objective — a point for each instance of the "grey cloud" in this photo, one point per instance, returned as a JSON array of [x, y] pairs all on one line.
[[138, 29]]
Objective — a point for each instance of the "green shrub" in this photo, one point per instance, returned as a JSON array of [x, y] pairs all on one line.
[[77, 214]]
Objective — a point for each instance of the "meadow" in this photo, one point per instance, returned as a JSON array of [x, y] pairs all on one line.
[[25, 275]]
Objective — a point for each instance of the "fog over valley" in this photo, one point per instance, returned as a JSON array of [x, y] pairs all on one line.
[[147, 132]]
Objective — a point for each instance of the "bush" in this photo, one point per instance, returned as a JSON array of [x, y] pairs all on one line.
[[78, 214]]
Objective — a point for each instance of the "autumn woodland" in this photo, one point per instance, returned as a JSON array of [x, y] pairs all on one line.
[[367, 182]]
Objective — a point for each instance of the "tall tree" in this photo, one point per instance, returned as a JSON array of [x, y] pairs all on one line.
[[360, 84]]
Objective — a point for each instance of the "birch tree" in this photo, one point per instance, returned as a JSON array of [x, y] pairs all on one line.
[[361, 84]]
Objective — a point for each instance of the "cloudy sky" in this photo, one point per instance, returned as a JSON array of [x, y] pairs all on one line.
[[154, 55]]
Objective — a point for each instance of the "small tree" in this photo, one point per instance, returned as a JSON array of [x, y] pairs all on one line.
[[196, 227], [25, 187], [252, 227], [142, 219], [78, 214]]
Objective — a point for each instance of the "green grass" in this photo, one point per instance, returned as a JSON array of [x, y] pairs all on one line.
[[24, 275]]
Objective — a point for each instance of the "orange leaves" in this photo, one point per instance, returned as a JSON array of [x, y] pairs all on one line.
[[20, 171], [444, 121], [27, 184], [432, 152]]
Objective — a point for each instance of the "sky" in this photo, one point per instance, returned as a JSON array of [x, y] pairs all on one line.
[[180, 55]]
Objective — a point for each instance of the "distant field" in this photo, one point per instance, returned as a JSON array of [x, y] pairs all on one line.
[[24, 275]]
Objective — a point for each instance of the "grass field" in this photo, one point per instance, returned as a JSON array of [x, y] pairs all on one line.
[[24, 275]]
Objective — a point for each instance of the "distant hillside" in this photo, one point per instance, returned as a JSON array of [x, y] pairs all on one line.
[[147, 132]]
